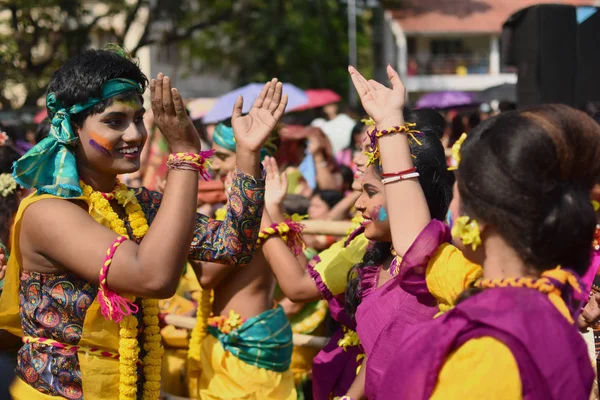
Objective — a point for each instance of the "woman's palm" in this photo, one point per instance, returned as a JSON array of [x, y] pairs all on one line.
[[378, 100], [252, 130]]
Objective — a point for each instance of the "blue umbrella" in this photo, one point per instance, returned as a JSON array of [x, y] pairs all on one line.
[[224, 105]]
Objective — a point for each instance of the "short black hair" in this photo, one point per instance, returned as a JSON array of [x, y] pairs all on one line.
[[82, 77]]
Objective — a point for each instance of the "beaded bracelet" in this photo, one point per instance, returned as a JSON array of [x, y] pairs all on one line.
[[113, 306], [191, 162], [407, 128], [289, 231], [376, 134]]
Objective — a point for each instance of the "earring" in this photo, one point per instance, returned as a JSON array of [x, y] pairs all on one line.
[[467, 230]]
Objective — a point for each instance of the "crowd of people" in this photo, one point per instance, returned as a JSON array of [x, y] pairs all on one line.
[[465, 265]]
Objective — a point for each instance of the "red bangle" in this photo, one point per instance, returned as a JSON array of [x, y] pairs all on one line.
[[394, 174]]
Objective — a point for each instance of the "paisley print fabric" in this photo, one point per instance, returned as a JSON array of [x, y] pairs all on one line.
[[54, 307], [231, 241]]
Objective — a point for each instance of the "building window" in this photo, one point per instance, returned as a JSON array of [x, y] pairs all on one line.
[[458, 57]]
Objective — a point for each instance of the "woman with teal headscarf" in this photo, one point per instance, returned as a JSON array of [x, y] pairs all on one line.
[[77, 317], [224, 145]]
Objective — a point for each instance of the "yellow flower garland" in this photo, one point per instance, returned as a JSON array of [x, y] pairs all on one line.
[[128, 342], [197, 337]]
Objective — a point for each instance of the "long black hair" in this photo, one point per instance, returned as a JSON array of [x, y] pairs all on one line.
[[436, 182]]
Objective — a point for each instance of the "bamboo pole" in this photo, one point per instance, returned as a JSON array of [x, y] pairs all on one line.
[[322, 227], [317, 342]]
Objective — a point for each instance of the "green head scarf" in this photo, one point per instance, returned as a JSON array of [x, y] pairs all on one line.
[[50, 166], [224, 137]]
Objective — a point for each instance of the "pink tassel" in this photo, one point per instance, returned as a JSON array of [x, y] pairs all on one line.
[[120, 306], [294, 237], [205, 155]]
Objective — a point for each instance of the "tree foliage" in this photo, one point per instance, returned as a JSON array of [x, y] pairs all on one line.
[[300, 41], [304, 42]]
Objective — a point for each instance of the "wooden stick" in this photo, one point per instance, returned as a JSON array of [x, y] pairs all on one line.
[[179, 321], [317, 342], [321, 227]]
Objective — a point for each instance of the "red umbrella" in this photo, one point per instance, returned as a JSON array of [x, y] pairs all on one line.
[[318, 98]]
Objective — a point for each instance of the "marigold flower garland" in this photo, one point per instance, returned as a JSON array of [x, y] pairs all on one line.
[[199, 332], [128, 342]]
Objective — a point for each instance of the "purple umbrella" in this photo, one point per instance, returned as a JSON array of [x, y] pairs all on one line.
[[224, 105], [446, 99]]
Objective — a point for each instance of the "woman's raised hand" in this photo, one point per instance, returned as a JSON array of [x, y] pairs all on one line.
[[171, 118], [382, 104], [252, 130], [276, 184]]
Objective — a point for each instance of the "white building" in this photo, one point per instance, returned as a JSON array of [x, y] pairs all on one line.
[[442, 45]]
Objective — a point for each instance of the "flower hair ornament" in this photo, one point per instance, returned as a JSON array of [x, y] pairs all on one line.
[[456, 152], [8, 185], [468, 231]]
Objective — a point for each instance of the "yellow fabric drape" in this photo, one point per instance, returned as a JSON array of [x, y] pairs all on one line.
[[224, 376]]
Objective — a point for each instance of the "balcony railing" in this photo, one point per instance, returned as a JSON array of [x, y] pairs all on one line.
[[449, 64]]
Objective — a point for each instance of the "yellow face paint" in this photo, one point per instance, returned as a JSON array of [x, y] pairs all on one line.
[[133, 104]]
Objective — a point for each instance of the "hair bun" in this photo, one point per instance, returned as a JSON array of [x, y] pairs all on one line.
[[568, 210]]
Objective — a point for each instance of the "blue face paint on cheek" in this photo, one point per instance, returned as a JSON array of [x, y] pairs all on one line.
[[383, 216]]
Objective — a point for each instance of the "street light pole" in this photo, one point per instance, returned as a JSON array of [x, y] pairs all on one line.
[[352, 57]]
